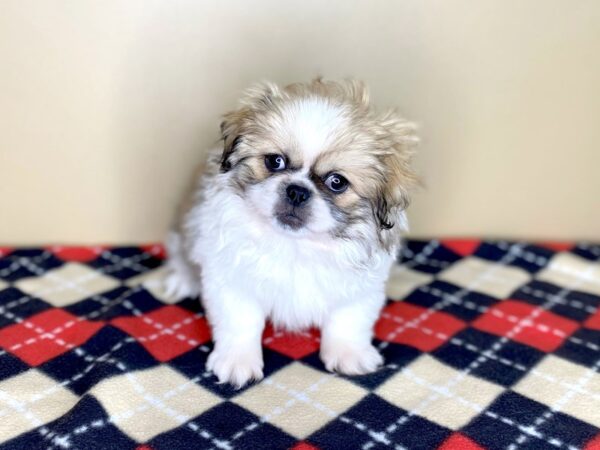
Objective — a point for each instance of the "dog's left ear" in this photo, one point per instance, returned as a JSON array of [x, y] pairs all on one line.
[[258, 97], [398, 138]]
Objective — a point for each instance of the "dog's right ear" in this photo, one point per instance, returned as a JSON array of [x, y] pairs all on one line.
[[258, 98], [231, 129], [229, 146]]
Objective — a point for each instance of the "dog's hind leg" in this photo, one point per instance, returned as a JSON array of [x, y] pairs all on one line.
[[183, 279]]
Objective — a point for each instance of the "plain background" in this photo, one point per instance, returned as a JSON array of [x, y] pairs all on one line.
[[105, 107]]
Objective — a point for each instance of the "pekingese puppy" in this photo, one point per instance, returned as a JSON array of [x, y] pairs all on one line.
[[296, 219]]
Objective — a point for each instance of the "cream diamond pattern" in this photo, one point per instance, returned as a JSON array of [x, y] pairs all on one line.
[[149, 402], [67, 284], [567, 269], [403, 281], [154, 282], [484, 276], [431, 390], [577, 393], [299, 399], [30, 400]]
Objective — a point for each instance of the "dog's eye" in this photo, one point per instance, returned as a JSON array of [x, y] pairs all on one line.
[[275, 163], [336, 183]]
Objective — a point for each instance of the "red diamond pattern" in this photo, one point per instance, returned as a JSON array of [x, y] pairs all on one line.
[[79, 254], [166, 332], [304, 446], [156, 250], [556, 246], [594, 444], [46, 335], [541, 329], [458, 441], [404, 323], [294, 345], [593, 321], [463, 247]]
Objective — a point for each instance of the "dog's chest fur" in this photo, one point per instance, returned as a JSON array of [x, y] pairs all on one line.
[[296, 281]]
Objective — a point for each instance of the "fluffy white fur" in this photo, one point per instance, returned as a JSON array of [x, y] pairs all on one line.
[[248, 268]]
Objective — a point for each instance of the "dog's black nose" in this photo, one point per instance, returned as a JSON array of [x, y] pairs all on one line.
[[297, 195]]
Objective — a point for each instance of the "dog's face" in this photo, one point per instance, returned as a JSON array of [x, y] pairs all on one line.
[[314, 159]]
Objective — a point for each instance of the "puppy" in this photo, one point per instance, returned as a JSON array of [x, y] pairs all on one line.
[[296, 219]]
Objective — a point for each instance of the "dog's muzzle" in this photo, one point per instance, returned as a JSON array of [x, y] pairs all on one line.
[[292, 211]]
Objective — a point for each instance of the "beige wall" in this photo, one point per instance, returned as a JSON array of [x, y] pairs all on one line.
[[106, 105]]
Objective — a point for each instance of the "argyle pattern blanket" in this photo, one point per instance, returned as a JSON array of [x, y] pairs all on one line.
[[488, 345]]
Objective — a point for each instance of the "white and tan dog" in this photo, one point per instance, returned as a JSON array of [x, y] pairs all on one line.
[[297, 220]]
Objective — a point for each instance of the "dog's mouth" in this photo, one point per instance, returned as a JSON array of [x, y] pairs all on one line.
[[290, 220]]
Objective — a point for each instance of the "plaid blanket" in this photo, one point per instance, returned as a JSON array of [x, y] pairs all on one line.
[[492, 345]]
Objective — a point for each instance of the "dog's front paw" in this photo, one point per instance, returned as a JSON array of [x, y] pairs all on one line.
[[349, 358], [235, 366]]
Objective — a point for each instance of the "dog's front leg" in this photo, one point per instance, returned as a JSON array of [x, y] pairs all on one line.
[[346, 338], [237, 325]]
